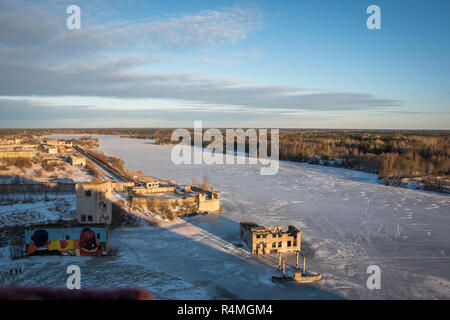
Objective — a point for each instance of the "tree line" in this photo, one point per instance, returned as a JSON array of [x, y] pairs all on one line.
[[389, 153]]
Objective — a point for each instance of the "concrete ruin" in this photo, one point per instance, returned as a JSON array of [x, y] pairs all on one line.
[[94, 202], [164, 197], [14, 148], [54, 161], [191, 199], [77, 161], [273, 239], [18, 148], [122, 186], [207, 201], [49, 149], [152, 186], [17, 154], [54, 146]]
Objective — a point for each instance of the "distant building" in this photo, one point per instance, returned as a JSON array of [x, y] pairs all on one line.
[[54, 161], [264, 240], [46, 148], [51, 150], [77, 161], [64, 149], [17, 154], [94, 202], [208, 201], [52, 142], [122, 186], [7, 141], [152, 186]]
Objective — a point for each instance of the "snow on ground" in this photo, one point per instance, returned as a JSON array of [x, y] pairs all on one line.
[[20, 209], [36, 174], [348, 222]]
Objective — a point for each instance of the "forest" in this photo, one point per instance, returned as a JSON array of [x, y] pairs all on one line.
[[389, 154]]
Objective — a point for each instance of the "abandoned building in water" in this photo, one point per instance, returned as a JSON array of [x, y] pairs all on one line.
[[274, 239]]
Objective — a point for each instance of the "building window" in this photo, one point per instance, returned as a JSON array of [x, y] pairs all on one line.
[[98, 236], [90, 218], [288, 243], [274, 244], [279, 244], [83, 217], [88, 193], [295, 243], [258, 236]]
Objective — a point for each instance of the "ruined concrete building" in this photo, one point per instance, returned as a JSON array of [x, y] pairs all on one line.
[[12, 148], [50, 149], [57, 142], [17, 154], [55, 161], [264, 240], [152, 186], [77, 161], [94, 203], [196, 199], [208, 201], [53, 146], [122, 186]]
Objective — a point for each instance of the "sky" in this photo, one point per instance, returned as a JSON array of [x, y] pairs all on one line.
[[261, 64]]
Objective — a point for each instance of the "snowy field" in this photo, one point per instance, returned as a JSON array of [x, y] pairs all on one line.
[[36, 174], [348, 222], [29, 209]]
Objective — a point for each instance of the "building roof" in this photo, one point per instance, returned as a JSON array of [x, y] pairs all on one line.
[[253, 227]]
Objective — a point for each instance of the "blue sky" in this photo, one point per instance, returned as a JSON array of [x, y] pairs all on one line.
[[306, 64]]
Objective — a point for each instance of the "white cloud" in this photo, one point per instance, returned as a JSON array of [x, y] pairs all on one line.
[[22, 23], [39, 56]]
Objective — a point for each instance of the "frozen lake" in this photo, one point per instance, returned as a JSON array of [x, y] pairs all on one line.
[[348, 223]]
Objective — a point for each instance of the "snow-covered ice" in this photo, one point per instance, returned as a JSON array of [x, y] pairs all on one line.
[[348, 222]]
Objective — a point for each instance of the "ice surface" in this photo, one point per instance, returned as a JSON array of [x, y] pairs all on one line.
[[348, 222]]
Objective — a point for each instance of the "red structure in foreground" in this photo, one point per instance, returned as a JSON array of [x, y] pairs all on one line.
[[21, 293]]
